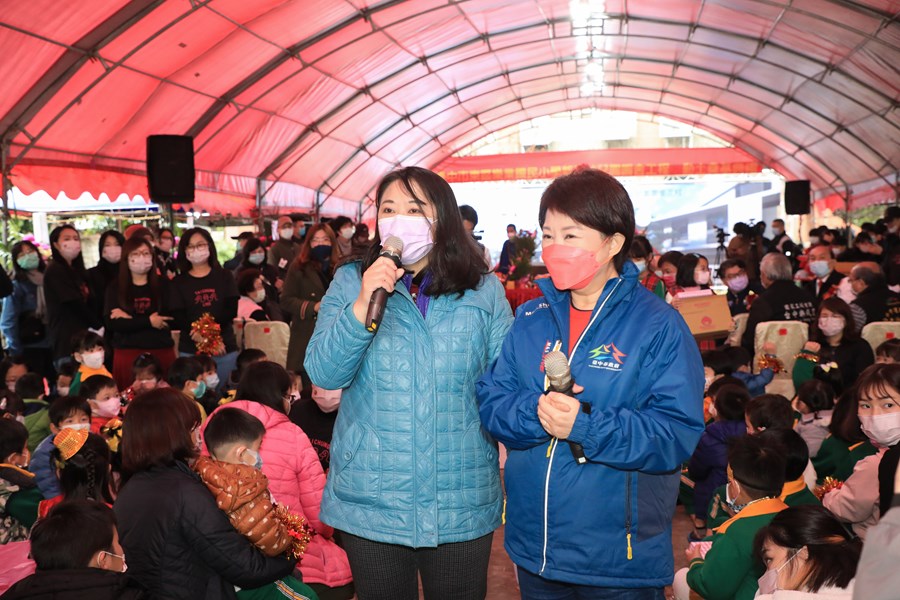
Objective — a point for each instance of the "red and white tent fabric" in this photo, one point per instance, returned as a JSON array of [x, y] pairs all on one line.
[[312, 101]]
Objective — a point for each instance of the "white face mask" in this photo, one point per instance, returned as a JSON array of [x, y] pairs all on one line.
[[78, 426], [198, 257], [93, 360], [415, 232], [212, 380], [830, 326], [70, 249], [820, 268], [286, 233], [347, 233], [641, 265], [701, 277], [256, 258], [62, 390], [112, 254], [258, 296], [882, 429]]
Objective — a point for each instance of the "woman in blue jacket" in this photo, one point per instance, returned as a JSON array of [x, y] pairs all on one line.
[[24, 317], [414, 483], [603, 527]]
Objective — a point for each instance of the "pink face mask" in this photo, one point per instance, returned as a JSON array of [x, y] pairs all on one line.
[[571, 268], [328, 400]]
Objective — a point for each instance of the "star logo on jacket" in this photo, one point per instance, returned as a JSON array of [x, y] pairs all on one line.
[[606, 356]]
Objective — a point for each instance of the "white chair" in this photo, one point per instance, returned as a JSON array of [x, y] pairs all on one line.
[[271, 337], [788, 337], [238, 326], [739, 326], [878, 332]]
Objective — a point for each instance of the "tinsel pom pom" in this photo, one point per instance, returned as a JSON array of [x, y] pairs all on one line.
[[828, 484], [210, 333], [297, 528]]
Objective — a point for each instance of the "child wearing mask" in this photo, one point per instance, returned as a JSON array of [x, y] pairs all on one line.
[[90, 354], [148, 373], [845, 445], [31, 388], [66, 412], [102, 394], [186, 376], [19, 496], [740, 359], [64, 376], [728, 570], [878, 406], [232, 474], [82, 459], [815, 403]]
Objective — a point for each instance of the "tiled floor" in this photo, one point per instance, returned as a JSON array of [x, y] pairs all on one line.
[[501, 577]]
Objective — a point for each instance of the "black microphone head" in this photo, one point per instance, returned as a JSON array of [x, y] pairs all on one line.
[[393, 245], [556, 365]]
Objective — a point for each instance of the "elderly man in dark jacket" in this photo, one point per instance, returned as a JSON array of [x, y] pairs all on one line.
[[872, 293], [781, 300]]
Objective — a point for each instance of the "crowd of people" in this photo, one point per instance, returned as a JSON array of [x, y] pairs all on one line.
[[135, 466]]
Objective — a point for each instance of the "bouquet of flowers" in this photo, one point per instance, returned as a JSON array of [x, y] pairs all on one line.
[[207, 335], [524, 252]]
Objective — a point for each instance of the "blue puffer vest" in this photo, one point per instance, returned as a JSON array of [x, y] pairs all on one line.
[[410, 462]]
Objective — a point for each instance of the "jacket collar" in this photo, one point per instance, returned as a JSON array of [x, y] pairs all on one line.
[[763, 507], [792, 487]]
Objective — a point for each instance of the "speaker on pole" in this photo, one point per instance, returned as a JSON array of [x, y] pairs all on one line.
[[170, 168], [796, 197]]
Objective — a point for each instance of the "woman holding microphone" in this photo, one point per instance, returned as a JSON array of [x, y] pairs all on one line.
[[414, 483], [601, 526]]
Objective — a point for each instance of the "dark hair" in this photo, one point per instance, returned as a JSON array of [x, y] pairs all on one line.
[[163, 230], [252, 244], [877, 380], [110, 233], [231, 426], [757, 466], [245, 358], [85, 475], [841, 308], [67, 368], [889, 349], [873, 278], [730, 401], [13, 436], [845, 424], [206, 362], [730, 263], [9, 362], [78, 262], [147, 361], [815, 394], [265, 382], [66, 406], [141, 231], [338, 223], [182, 370], [673, 257], [30, 386], [21, 274], [85, 341], [770, 411], [157, 430], [468, 214], [456, 262], [718, 361], [684, 276], [595, 199], [891, 212], [794, 448], [304, 255], [737, 356], [10, 404], [71, 534], [184, 265], [246, 280], [95, 384], [125, 285], [640, 248], [721, 382], [833, 552], [831, 376]]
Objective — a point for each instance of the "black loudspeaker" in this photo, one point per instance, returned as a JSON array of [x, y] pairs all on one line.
[[796, 197], [170, 168]]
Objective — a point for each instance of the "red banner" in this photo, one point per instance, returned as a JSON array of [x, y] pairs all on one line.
[[626, 162]]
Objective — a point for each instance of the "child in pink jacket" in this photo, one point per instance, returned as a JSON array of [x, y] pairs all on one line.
[[296, 478]]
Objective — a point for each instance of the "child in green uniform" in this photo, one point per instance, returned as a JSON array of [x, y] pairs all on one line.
[[756, 468], [796, 455], [846, 445]]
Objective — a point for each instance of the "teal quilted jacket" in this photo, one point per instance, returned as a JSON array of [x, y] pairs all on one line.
[[410, 462]]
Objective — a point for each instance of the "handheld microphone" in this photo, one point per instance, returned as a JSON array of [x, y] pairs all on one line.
[[392, 249], [559, 375]]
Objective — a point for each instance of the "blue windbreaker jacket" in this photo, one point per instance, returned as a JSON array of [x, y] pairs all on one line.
[[606, 523]]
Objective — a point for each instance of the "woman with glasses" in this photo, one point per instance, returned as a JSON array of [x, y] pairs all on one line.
[[204, 287], [135, 314], [296, 478]]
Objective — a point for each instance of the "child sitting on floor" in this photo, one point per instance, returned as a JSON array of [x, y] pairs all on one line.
[[31, 389], [815, 403], [89, 354], [82, 461], [66, 412], [232, 473], [102, 395]]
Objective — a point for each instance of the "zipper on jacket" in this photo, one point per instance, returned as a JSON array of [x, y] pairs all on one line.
[[628, 514], [551, 450]]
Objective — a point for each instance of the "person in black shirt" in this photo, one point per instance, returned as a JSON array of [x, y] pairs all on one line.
[[107, 269], [68, 296], [255, 257], [873, 294], [203, 286], [135, 313], [165, 262], [741, 290]]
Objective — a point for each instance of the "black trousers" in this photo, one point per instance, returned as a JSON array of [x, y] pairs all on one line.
[[456, 571]]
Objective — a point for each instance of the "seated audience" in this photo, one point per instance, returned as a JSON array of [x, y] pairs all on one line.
[[741, 291], [82, 460], [815, 403], [19, 496], [103, 396], [846, 443], [30, 389], [796, 457], [872, 293], [833, 339], [90, 354], [826, 278], [66, 412], [888, 352]]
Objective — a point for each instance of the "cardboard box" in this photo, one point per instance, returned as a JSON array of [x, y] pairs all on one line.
[[706, 316]]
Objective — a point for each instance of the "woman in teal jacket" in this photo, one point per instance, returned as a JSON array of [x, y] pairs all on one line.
[[414, 483], [602, 527]]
